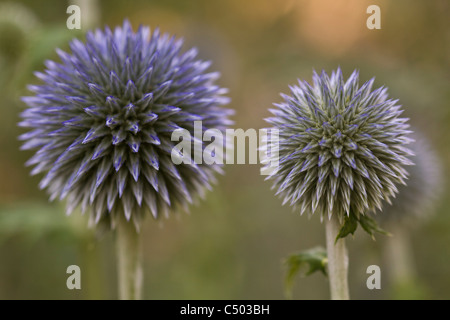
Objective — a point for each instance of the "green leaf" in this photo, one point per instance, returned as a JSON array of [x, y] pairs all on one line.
[[351, 222], [349, 227], [314, 259], [371, 226]]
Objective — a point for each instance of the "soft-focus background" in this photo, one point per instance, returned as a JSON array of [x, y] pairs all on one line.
[[233, 244]]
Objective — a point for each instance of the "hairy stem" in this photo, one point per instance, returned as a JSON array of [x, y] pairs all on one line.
[[337, 261], [129, 256]]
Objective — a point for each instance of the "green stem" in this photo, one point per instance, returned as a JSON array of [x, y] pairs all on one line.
[[399, 255], [91, 261], [337, 261], [129, 255]]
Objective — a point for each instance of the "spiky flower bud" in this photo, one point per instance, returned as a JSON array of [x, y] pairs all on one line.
[[415, 199], [102, 123], [342, 146]]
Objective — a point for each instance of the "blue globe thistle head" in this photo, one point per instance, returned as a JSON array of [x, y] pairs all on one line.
[[342, 146], [416, 200], [102, 120]]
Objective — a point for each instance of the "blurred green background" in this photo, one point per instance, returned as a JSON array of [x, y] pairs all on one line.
[[233, 243]]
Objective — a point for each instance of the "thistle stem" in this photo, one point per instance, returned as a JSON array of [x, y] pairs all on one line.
[[399, 256], [129, 260], [91, 260], [337, 261]]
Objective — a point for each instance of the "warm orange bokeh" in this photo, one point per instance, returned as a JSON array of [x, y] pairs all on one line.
[[330, 26]]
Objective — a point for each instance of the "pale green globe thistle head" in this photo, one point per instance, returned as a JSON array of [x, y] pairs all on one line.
[[415, 200], [342, 146]]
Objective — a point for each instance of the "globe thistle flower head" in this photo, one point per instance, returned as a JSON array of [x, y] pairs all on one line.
[[416, 199], [102, 123], [341, 146]]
